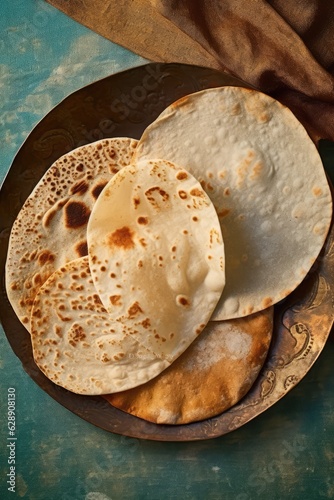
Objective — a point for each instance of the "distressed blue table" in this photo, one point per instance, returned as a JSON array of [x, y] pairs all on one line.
[[287, 452]]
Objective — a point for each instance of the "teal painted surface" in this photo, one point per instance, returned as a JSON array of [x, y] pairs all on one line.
[[44, 56], [287, 452]]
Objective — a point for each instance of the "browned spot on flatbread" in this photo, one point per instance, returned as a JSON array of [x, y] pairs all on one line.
[[14, 286], [63, 318], [58, 332], [44, 257], [235, 109], [79, 187], [317, 191], [37, 280], [182, 194], [136, 202], [122, 237], [134, 310], [76, 214], [181, 176], [267, 302], [142, 220], [115, 300], [146, 323], [257, 169], [153, 192], [285, 293], [214, 236], [264, 117], [36, 313], [77, 334], [184, 103], [47, 219], [79, 168], [82, 248], [183, 301], [200, 328], [223, 212], [96, 299], [119, 356], [33, 255], [96, 191], [197, 192], [28, 300]]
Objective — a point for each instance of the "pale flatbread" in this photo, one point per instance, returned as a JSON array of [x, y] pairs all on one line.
[[50, 229], [267, 183], [77, 345], [212, 375], [156, 255]]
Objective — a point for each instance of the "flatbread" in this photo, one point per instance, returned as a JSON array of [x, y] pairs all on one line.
[[156, 255], [267, 183], [77, 345], [50, 229], [212, 375]]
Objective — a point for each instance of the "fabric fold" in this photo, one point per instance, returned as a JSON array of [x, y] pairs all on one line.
[[253, 42], [282, 47]]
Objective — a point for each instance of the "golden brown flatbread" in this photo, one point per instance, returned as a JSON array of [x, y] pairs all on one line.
[[212, 375]]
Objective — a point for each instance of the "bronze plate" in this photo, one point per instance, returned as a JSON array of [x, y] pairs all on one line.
[[123, 105]]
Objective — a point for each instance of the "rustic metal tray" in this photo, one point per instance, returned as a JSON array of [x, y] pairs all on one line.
[[124, 104]]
